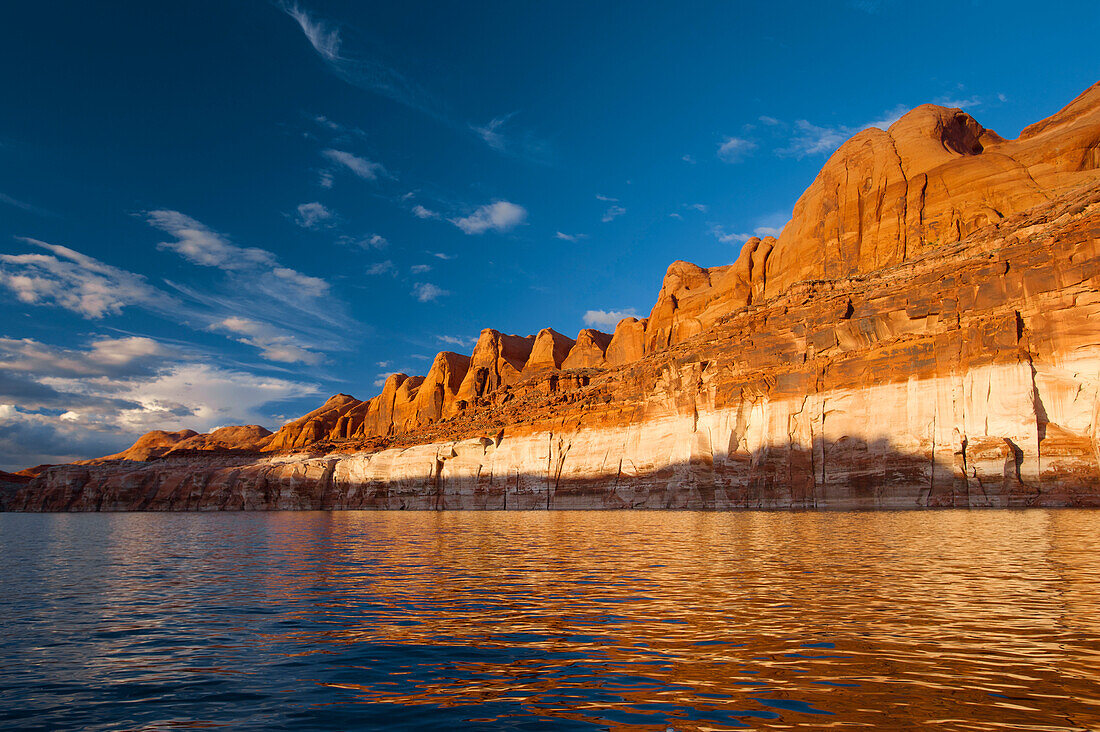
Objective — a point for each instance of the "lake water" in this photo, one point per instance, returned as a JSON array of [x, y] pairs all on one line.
[[976, 620]]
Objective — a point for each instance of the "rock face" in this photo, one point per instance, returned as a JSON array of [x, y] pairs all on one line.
[[934, 178], [922, 334], [588, 350]]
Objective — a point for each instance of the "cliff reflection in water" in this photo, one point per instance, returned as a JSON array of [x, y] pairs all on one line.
[[624, 620]]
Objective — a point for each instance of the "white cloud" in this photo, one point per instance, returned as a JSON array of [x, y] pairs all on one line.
[[769, 121], [60, 404], [607, 319], [960, 102], [570, 237], [421, 212], [688, 159], [496, 216], [886, 119], [105, 356], [325, 179], [420, 268], [274, 345], [384, 364], [426, 292], [380, 379], [380, 268], [360, 166], [489, 133], [675, 216], [612, 213], [606, 199], [325, 40], [198, 244], [457, 341], [74, 281], [734, 149], [726, 238], [360, 70], [374, 241], [302, 284], [312, 215], [811, 139], [444, 256], [767, 230], [700, 207]]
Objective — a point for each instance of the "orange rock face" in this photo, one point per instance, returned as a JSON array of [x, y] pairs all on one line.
[[497, 361], [923, 333], [588, 350], [935, 177], [628, 342], [549, 351]]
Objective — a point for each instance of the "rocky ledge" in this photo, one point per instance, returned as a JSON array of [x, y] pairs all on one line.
[[922, 334]]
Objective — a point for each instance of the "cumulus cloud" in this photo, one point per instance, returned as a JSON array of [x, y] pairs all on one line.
[[607, 319], [360, 166], [734, 149], [312, 215], [421, 212], [373, 241], [60, 404], [496, 216], [274, 345], [426, 292], [420, 268], [444, 256], [68, 279], [612, 213]]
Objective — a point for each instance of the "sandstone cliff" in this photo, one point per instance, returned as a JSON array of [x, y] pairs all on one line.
[[922, 333]]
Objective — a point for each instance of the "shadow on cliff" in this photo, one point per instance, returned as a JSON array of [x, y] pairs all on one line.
[[847, 474]]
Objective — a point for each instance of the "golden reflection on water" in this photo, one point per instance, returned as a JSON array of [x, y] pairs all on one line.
[[635, 620], [967, 619]]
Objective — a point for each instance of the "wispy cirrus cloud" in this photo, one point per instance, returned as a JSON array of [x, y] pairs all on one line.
[[76, 282], [612, 213], [360, 69], [274, 344], [361, 167]]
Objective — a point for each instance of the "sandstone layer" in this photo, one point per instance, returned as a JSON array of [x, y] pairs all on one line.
[[923, 333]]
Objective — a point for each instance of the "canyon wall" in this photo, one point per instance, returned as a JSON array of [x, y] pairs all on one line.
[[923, 333]]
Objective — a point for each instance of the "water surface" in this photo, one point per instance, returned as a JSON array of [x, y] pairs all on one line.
[[563, 620]]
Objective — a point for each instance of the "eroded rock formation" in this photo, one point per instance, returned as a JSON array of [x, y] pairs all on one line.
[[923, 333]]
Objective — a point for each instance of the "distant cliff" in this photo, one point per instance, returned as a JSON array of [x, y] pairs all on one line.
[[922, 333]]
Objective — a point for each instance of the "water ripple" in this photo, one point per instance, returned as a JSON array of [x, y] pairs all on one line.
[[570, 620]]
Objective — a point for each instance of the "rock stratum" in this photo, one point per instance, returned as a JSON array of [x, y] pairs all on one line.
[[925, 332]]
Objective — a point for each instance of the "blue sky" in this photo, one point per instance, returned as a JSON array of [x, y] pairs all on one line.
[[214, 213]]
